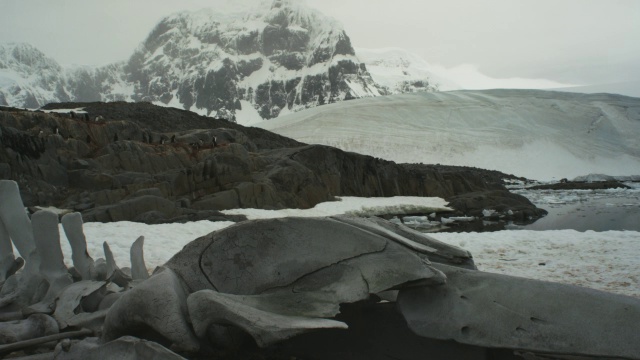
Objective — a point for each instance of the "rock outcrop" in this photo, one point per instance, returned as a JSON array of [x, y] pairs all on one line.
[[151, 164]]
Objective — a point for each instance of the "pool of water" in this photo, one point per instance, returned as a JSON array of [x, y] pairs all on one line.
[[582, 210]]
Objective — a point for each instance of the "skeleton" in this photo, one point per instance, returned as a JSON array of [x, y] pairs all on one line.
[[277, 279]]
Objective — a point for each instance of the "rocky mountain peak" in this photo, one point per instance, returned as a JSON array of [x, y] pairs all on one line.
[[28, 78], [280, 57], [24, 57]]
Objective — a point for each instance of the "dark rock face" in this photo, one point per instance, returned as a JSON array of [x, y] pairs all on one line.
[[152, 164], [580, 185], [507, 205]]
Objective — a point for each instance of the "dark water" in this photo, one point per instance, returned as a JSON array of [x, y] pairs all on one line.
[[586, 210], [596, 215], [581, 210]]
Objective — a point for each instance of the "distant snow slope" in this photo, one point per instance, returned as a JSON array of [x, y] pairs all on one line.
[[628, 88], [532, 133], [402, 72]]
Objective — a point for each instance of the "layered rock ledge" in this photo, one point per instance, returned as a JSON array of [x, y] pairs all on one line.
[[140, 162]]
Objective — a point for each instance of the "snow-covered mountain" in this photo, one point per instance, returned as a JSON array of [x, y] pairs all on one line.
[[532, 133], [402, 71], [280, 57], [28, 78]]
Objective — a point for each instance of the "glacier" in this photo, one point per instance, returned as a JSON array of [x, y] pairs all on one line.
[[537, 134]]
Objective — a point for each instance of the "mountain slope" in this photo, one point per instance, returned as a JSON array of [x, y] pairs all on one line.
[[280, 57], [29, 78], [402, 71], [283, 57], [532, 133]]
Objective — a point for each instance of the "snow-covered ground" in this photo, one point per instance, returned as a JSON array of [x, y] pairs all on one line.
[[601, 260], [532, 133]]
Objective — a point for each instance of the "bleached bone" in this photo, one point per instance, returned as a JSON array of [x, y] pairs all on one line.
[[159, 303], [138, 266], [17, 223], [114, 274], [502, 311], [26, 344], [21, 288], [210, 307], [82, 261], [52, 267], [126, 347], [69, 301], [7, 258], [34, 326]]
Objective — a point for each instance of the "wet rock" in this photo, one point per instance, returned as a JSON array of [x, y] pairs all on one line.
[[507, 206], [581, 185]]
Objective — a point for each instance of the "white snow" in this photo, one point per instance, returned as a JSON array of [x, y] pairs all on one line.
[[65, 111], [532, 133], [391, 66], [248, 116], [353, 206], [601, 260]]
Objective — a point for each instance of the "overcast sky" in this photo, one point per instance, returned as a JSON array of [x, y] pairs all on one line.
[[570, 41]]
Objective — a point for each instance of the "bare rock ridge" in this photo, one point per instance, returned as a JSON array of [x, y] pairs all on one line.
[[146, 163], [277, 57]]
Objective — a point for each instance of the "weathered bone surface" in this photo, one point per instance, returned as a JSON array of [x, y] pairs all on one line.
[[265, 327], [289, 268], [69, 302], [138, 267], [282, 278], [444, 253], [502, 311], [52, 267], [159, 303], [126, 347], [82, 261], [36, 325], [16, 222], [8, 264], [258, 256], [19, 289], [114, 273]]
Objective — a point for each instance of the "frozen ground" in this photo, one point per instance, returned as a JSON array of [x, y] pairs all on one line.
[[536, 134], [601, 260]]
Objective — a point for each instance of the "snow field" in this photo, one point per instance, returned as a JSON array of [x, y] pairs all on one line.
[[536, 134], [605, 261]]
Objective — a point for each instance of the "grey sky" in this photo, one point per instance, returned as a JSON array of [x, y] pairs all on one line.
[[577, 41]]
